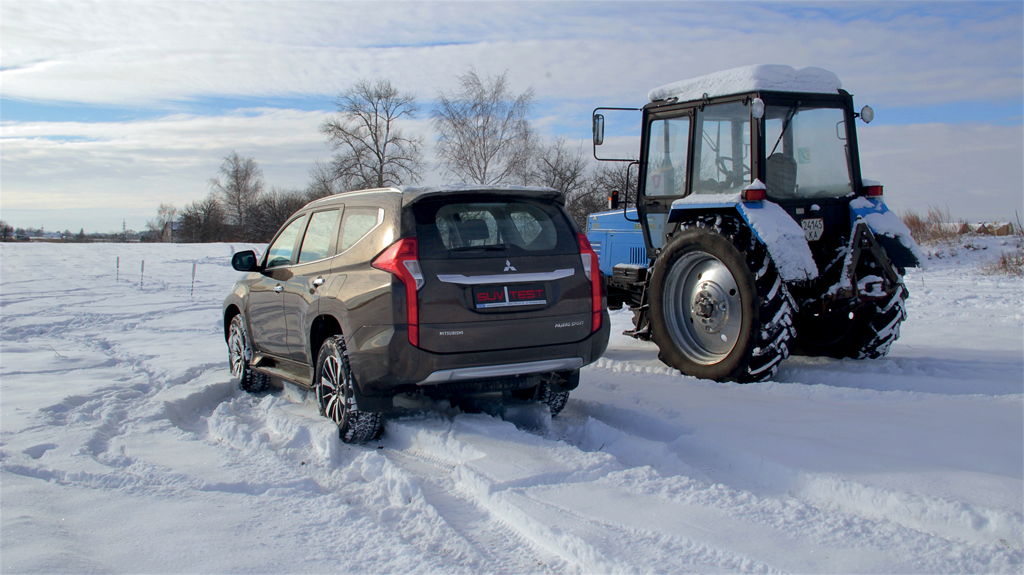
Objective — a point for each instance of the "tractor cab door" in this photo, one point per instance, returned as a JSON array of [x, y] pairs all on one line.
[[701, 148], [664, 169]]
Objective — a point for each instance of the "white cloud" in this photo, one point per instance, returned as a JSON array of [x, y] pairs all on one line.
[[164, 54], [149, 51], [131, 167], [974, 170]]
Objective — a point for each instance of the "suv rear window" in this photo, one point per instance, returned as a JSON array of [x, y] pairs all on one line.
[[452, 229]]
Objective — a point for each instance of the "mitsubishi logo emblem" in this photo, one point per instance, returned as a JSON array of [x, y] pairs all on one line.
[[509, 267]]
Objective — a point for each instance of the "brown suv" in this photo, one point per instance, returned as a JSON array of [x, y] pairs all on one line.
[[445, 292]]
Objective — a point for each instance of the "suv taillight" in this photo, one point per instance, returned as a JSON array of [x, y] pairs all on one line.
[[400, 260], [591, 268]]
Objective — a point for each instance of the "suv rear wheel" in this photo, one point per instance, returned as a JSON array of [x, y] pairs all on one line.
[[545, 392], [333, 383]]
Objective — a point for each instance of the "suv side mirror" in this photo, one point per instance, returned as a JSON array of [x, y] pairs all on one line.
[[244, 261]]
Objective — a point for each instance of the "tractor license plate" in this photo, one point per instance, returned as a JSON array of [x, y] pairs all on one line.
[[813, 228], [509, 296]]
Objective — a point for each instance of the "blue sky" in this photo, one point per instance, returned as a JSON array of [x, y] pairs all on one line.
[[109, 109]]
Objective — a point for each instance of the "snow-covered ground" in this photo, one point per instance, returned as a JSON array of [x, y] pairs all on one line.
[[126, 446]]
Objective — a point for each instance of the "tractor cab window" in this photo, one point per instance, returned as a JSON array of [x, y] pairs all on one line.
[[721, 155], [806, 154], [667, 146]]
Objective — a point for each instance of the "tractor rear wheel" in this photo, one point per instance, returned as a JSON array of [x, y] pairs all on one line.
[[866, 333], [718, 307]]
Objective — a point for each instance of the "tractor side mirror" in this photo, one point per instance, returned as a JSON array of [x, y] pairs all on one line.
[[598, 129]]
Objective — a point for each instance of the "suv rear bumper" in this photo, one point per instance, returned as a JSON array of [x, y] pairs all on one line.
[[525, 368], [386, 366]]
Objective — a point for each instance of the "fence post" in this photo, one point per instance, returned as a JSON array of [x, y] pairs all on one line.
[[193, 288], [117, 274], [142, 274]]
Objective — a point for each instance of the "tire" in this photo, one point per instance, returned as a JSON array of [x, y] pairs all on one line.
[[239, 356], [718, 307], [546, 393], [333, 383], [868, 334]]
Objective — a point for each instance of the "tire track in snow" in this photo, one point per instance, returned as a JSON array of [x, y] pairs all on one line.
[[809, 507], [509, 473], [502, 548]]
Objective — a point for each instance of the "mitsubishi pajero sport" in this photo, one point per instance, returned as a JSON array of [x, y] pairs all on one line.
[[444, 292]]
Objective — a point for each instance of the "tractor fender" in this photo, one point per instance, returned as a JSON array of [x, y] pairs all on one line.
[[772, 226], [890, 231]]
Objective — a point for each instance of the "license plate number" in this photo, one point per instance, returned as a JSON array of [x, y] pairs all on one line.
[[813, 228], [486, 297]]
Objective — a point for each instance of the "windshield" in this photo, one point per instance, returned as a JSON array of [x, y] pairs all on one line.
[[461, 226], [807, 154]]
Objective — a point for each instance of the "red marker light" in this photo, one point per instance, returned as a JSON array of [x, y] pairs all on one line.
[[754, 194]]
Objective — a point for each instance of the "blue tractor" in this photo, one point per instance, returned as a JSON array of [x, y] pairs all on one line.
[[752, 233]]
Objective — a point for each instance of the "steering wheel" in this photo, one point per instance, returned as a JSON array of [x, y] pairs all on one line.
[[720, 164]]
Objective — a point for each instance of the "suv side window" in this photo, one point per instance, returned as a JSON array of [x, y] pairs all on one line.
[[282, 250], [316, 245], [357, 223]]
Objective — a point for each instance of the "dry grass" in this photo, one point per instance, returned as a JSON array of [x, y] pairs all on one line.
[[1009, 263], [937, 228], [933, 226]]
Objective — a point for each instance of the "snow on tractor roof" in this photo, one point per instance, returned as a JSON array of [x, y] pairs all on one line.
[[773, 77]]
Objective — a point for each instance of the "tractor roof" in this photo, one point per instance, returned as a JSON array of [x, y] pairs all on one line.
[[764, 77]]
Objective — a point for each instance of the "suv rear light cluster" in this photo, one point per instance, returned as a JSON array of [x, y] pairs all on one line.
[[590, 267], [401, 260]]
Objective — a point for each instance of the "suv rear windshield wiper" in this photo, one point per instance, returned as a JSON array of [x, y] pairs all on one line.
[[490, 248]]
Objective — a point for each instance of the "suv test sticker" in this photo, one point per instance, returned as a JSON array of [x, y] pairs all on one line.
[[509, 296]]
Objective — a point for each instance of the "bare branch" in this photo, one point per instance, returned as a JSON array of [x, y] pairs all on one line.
[[484, 134], [372, 151]]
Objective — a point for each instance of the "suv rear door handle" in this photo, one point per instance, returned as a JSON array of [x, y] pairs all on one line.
[[279, 288]]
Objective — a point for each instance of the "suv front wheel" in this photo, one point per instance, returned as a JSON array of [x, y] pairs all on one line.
[[333, 382], [239, 356]]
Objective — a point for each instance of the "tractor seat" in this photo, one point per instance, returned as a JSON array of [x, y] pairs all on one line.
[[781, 176]]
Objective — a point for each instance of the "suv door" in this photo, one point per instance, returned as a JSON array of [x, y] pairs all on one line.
[[499, 273], [266, 302], [309, 274]]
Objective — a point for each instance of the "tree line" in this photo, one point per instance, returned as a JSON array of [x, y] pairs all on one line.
[[484, 136]]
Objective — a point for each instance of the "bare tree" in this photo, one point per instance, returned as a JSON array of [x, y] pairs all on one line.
[[241, 186], [6, 230], [323, 181], [611, 176], [272, 209], [202, 221], [373, 152], [484, 135], [560, 167], [163, 225]]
